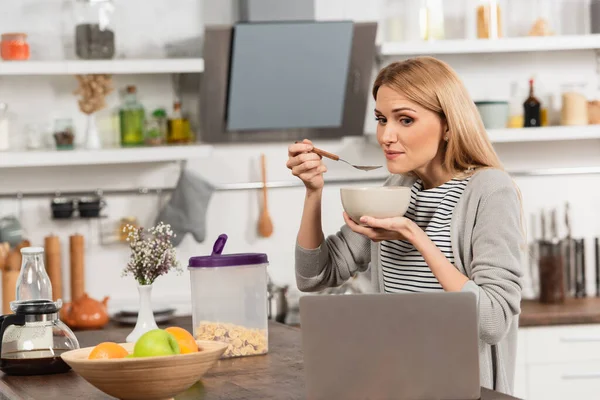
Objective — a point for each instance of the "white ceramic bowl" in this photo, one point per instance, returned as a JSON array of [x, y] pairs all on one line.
[[377, 202]]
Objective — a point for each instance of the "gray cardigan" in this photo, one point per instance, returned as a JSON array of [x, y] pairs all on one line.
[[487, 242]]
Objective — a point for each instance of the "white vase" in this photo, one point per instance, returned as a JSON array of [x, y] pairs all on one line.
[[145, 319], [92, 137]]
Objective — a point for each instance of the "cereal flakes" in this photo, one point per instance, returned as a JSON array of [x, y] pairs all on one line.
[[241, 341]]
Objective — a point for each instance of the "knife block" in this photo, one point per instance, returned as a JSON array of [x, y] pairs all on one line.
[[552, 272]]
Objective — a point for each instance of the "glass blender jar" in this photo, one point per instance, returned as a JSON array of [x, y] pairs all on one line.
[[33, 338]]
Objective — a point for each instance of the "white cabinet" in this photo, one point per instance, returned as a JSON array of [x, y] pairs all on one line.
[[558, 362], [579, 380]]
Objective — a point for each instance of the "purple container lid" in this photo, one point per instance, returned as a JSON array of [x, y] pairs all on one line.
[[216, 259]]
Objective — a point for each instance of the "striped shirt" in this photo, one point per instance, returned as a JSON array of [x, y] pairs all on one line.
[[404, 269]]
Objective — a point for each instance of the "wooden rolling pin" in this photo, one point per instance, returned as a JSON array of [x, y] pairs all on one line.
[[76, 250], [53, 265], [10, 275]]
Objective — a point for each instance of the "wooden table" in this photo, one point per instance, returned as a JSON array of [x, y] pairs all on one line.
[[278, 375], [572, 311]]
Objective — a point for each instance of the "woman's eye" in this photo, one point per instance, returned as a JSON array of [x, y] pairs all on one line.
[[406, 121], [380, 120]]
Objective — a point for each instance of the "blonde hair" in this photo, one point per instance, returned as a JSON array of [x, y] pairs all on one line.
[[434, 85]]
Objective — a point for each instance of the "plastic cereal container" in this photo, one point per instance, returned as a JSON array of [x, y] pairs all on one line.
[[229, 300]]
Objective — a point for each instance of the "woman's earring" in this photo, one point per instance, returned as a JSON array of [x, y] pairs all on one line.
[[447, 138]]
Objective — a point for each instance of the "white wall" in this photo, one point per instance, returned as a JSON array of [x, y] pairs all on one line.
[[235, 213]]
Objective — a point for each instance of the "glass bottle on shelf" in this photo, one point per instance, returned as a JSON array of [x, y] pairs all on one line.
[[94, 34], [515, 118], [531, 109], [131, 119], [178, 126]]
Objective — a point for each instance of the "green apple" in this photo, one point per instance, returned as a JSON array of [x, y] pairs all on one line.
[[130, 356], [156, 342]]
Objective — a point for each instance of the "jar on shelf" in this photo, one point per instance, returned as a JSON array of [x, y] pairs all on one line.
[[64, 134], [94, 33], [412, 21], [156, 128], [485, 19], [431, 20], [574, 110], [534, 18], [14, 47]]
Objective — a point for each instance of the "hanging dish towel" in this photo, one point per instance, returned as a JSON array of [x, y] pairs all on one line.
[[186, 210]]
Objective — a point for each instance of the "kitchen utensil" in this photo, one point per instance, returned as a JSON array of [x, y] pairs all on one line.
[[62, 207], [265, 224], [11, 230], [544, 235], [54, 265], [77, 266], [85, 313], [335, 157], [597, 266], [552, 271], [278, 303], [569, 254], [149, 378], [33, 338], [581, 286], [377, 201], [4, 250], [89, 207], [229, 299]]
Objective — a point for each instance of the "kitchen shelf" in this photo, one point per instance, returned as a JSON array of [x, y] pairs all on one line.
[[504, 45], [53, 158], [544, 134], [81, 67]]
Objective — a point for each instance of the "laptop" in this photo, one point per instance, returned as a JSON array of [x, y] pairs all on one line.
[[391, 346]]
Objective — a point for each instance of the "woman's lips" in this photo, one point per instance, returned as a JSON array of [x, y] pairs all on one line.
[[392, 155]]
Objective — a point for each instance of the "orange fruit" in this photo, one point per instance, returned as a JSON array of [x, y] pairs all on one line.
[[108, 350], [187, 343]]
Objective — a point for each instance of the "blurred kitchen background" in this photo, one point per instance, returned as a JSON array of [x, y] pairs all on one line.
[[550, 44]]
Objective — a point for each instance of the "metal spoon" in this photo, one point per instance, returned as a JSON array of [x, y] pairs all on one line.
[[335, 157]]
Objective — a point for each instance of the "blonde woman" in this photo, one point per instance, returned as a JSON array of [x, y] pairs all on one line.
[[462, 231]]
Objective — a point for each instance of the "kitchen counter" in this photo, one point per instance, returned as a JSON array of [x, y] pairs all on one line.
[[571, 312], [278, 375]]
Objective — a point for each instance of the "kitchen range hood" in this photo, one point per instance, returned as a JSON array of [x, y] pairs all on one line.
[[285, 80]]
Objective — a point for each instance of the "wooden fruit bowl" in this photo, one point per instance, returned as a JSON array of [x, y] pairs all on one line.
[[145, 378]]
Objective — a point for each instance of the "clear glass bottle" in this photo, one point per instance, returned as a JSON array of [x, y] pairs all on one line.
[[33, 282], [131, 119], [179, 126], [94, 34]]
